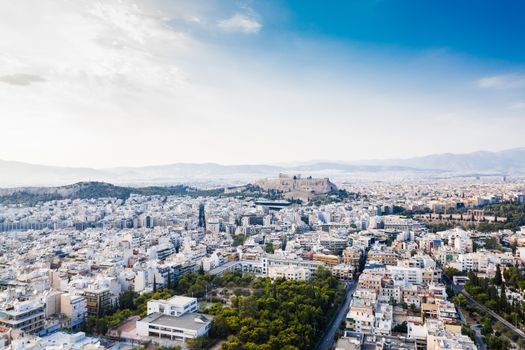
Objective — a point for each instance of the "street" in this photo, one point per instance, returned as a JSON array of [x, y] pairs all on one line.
[[326, 341], [479, 338]]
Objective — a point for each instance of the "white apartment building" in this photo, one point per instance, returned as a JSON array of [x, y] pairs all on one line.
[[412, 275], [27, 316], [482, 261], [360, 317], [277, 261], [384, 316], [174, 306], [174, 319]]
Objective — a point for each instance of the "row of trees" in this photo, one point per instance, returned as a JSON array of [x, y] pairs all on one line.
[[513, 211], [279, 314], [493, 294]]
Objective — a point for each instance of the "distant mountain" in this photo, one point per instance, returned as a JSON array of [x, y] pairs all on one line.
[[92, 189], [24, 174], [14, 174], [510, 161]]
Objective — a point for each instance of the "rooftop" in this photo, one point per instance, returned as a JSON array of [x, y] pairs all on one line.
[[193, 321]]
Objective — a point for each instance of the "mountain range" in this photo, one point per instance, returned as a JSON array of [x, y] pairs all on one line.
[[507, 162]]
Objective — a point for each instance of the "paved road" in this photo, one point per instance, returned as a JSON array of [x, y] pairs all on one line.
[[328, 338], [479, 338], [476, 329]]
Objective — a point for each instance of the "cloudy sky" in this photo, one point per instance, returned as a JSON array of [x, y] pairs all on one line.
[[111, 83]]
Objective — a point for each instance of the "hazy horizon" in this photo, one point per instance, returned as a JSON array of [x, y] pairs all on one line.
[[277, 164]]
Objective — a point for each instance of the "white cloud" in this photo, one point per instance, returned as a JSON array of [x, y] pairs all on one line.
[[518, 105], [240, 23], [504, 81], [130, 84], [21, 79]]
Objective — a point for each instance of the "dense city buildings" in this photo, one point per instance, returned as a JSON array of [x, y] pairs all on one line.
[[83, 264]]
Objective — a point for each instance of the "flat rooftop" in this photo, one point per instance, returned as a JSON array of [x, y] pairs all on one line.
[[180, 301], [186, 321]]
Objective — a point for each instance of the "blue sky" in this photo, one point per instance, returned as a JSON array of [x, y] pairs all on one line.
[[490, 30], [110, 83]]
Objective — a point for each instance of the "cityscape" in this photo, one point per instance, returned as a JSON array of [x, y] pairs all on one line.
[[262, 175], [287, 262]]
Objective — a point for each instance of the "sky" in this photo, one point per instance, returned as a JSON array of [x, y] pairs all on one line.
[[131, 83]]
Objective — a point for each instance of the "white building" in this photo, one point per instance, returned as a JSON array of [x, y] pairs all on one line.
[[412, 275], [161, 326], [27, 316], [174, 319], [174, 306]]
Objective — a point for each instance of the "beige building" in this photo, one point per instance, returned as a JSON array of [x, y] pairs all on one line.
[[289, 273]]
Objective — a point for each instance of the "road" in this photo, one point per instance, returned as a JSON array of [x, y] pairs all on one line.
[[479, 339], [476, 329], [328, 338]]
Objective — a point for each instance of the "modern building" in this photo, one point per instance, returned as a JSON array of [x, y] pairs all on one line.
[[174, 306], [162, 326], [174, 319], [98, 301], [27, 316]]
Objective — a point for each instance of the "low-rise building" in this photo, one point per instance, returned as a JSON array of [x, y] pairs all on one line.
[[174, 306], [162, 326]]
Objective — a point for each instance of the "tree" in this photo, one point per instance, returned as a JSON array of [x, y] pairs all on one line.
[[497, 279], [198, 343], [284, 242], [127, 300], [497, 343], [486, 326], [101, 326], [451, 272], [401, 327], [280, 314], [491, 242], [154, 283], [461, 300], [502, 305]]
